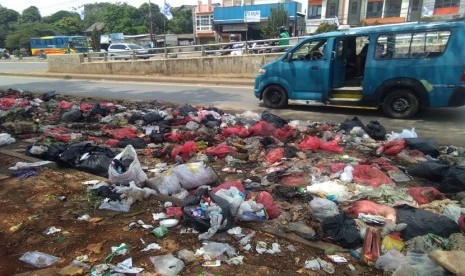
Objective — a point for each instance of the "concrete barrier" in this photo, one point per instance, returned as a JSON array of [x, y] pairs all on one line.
[[224, 66]]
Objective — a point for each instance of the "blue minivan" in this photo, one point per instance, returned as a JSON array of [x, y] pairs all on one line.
[[399, 67]]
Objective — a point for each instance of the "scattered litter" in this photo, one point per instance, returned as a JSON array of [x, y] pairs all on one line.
[[126, 267], [51, 230], [38, 259], [167, 265], [152, 246]]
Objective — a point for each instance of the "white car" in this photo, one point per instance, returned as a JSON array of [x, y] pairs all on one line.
[[125, 51]]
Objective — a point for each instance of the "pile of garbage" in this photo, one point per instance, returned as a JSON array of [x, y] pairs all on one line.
[[395, 201]]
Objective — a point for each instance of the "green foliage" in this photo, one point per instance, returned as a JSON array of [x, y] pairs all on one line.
[[60, 15], [95, 40], [94, 13], [157, 17], [7, 19], [22, 33], [181, 22], [326, 27], [122, 18], [70, 26], [30, 15], [278, 17]]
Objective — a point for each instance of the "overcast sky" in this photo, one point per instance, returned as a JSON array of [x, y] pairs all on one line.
[[48, 7]]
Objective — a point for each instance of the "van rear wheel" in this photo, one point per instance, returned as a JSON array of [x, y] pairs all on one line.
[[401, 104], [274, 97]]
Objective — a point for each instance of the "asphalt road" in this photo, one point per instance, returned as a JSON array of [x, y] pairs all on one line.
[[446, 125]]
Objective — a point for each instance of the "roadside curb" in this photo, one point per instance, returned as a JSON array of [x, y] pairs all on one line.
[[170, 79]]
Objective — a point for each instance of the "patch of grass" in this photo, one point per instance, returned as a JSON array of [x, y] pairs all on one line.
[[92, 199]]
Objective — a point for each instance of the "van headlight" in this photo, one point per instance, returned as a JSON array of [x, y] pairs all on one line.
[[262, 71]]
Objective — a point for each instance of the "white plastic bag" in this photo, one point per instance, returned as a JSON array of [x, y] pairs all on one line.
[[167, 265], [193, 175], [251, 211], [347, 174], [38, 259], [330, 188], [391, 261], [454, 212], [133, 173], [323, 208], [404, 134], [233, 196], [167, 183], [6, 139]]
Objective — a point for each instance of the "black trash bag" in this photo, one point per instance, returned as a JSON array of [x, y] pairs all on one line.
[[152, 117], [87, 157], [375, 130], [266, 141], [156, 137], [209, 118], [426, 145], [96, 162], [106, 192], [431, 170], [51, 154], [135, 117], [212, 124], [453, 181], [72, 116], [49, 95], [137, 143], [290, 151], [342, 230], [98, 110], [273, 119], [186, 109], [421, 222], [348, 125], [191, 204]]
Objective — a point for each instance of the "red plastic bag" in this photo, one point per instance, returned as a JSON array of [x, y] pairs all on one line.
[[393, 147], [174, 212], [7, 103], [424, 195], [85, 106], [263, 129], [369, 207], [185, 151], [274, 155], [337, 167], [64, 105], [294, 181], [112, 142], [369, 175], [285, 132], [267, 200], [331, 146], [121, 133], [239, 131], [228, 184], [310, 143], [58, 134], [220, 151]]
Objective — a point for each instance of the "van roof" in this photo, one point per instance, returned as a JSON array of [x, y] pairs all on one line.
[[399, 27]]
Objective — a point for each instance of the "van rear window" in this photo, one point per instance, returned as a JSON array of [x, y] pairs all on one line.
[[412, 45]]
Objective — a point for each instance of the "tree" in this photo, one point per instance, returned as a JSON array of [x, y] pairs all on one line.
[[278, 17], [181, 22], [22, 33], [60, 15], [70, 26], [94, 13], [30, 15], [123, 18], [326, 27], [157, 17], [95, 40], [7, 19]]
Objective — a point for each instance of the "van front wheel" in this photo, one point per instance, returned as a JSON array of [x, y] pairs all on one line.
[[274, 97], [401, 104]]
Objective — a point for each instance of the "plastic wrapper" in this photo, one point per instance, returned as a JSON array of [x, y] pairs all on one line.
[[322, 208], [38, 259], [167, 265]]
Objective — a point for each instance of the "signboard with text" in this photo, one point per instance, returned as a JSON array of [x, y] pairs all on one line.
[[252, 16]]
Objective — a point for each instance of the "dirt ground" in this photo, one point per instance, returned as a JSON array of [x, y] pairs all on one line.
[[32, 205]]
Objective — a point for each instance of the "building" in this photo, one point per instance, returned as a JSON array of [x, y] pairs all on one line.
[[215, 22]]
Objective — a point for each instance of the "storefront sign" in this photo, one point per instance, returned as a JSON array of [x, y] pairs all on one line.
[[252, 16]]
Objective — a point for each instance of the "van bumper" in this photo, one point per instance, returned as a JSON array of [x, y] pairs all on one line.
[[258, 87], [458, 97]]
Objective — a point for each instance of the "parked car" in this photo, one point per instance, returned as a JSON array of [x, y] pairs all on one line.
[[125, 51]]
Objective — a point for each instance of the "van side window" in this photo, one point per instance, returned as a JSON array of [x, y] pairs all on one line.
[[412, 45], [311, 50]]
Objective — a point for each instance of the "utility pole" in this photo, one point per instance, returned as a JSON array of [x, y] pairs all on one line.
[[151, 26]]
